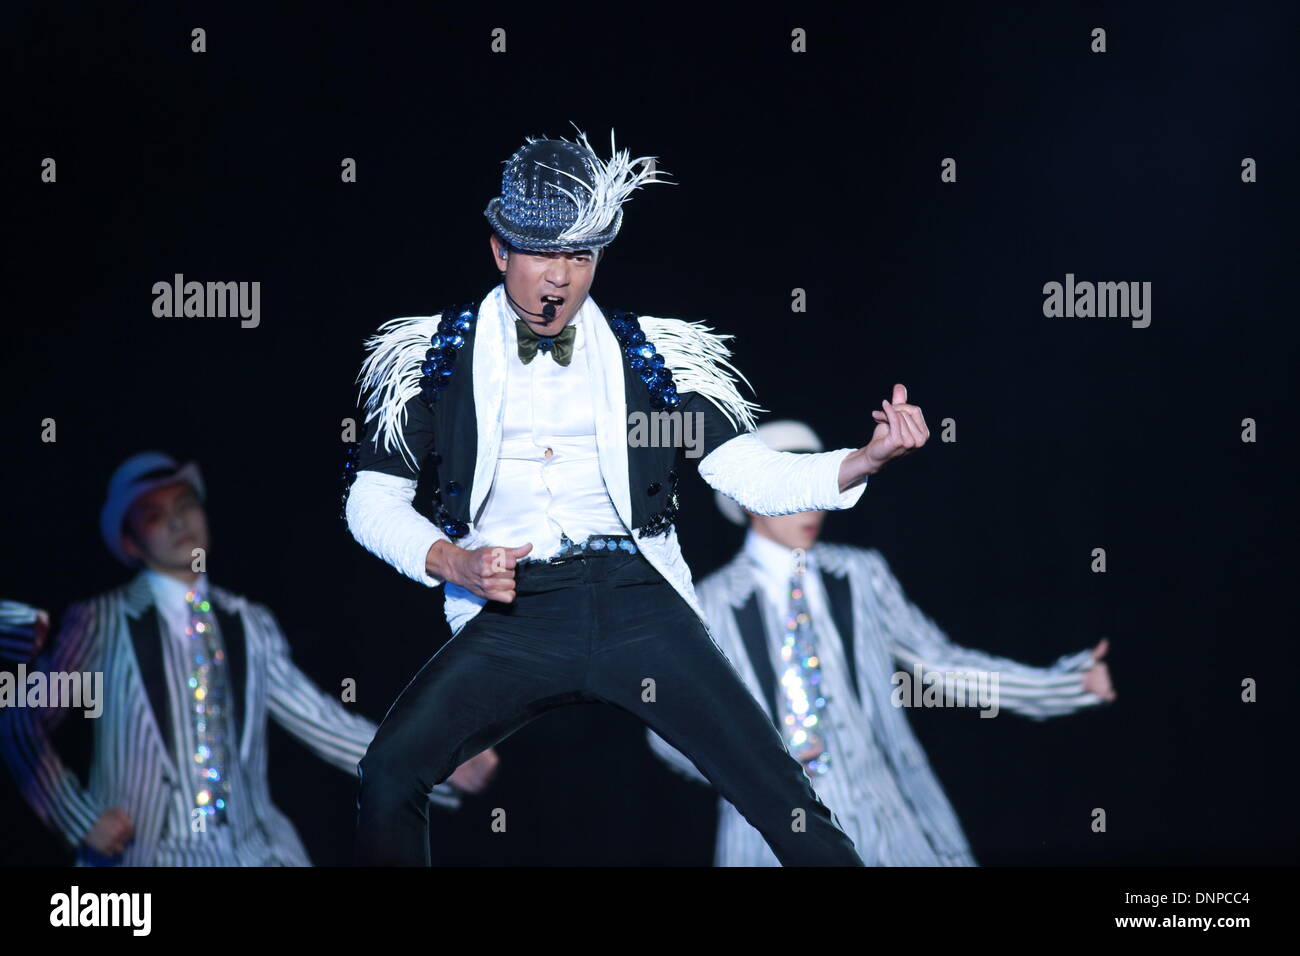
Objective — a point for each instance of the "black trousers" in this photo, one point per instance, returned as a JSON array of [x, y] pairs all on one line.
[[604, 628]]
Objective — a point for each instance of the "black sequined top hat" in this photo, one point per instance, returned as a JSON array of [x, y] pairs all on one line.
[[558, 195]]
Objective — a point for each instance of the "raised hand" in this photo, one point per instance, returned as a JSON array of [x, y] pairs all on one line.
[[900, 430]]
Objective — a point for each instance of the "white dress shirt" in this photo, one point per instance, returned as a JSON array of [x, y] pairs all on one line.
[[548, 480], [169, 597]]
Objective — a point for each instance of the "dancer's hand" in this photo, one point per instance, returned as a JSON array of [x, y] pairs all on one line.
[[111, 832], [1097, 677], [808, 756], [901, 429], [476, 773], [488, 572], [25, 621], [41, 631]]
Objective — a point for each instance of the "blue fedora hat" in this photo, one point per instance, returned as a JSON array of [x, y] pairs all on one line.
[[558, 195], [136, 476]]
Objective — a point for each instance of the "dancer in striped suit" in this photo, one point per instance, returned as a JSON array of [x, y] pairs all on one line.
[[820, 634], [191, 672]]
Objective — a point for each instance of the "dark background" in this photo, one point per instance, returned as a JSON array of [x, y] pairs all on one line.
[[818, 171]]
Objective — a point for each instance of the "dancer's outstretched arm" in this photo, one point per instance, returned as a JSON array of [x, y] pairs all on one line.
[[332, 732], [1035, 692]]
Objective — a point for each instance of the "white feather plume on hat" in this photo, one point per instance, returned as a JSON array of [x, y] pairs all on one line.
[[613, 182]]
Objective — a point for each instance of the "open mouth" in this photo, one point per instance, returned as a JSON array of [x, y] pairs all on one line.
[[553, 300]]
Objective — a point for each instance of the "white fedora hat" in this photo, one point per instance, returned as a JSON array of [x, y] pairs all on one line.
[[136, 476], [782, 435]]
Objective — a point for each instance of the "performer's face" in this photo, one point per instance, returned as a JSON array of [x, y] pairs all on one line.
[[793, 531], [164, 526], [533, 278]]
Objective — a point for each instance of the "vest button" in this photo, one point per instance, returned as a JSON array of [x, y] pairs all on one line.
[[653, 489], [453, 487]]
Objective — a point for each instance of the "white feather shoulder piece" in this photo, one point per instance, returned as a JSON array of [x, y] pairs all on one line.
[[698, 358], [696, 355], [390, 376]]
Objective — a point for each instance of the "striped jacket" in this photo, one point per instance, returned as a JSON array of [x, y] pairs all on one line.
[[880, 785], [133, 767]]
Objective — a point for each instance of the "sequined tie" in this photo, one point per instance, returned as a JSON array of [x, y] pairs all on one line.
[[801, 680], [208, 711]]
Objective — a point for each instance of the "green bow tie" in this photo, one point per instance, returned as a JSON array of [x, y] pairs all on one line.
[[560, 346]]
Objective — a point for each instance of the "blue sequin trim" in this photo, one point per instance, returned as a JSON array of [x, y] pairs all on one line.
[[654, 372], [440, 361], [644, 360], [351, 451], [444, 346]]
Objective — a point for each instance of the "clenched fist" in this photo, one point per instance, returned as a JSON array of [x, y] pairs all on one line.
[[488, 572], [111, 832]]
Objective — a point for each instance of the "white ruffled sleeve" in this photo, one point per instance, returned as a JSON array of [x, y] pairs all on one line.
[[771, 482]]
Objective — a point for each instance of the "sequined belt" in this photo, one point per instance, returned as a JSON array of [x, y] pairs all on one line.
[[596, 545]]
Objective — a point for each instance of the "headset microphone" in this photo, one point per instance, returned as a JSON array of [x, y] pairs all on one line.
[[547, 313]]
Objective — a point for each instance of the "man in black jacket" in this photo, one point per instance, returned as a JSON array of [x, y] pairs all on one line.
[[555, 539]]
